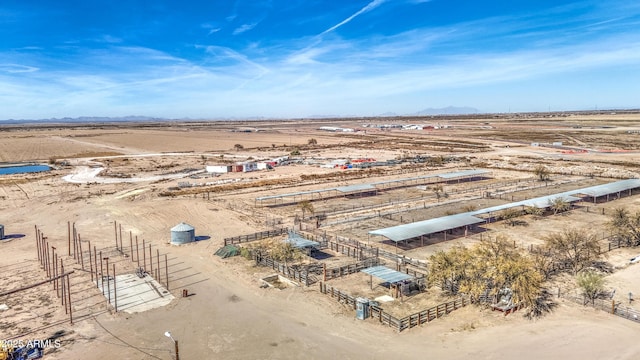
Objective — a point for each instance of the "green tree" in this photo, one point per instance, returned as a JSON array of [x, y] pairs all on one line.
[[577, 249], [448, 268], [591, 283]]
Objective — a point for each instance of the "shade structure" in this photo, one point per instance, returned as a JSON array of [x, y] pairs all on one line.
[[425, 227], [299, 242], [386, 274]]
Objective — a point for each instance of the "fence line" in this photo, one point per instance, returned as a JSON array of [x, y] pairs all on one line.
[[304, 277], [255, 236], [385, 318]]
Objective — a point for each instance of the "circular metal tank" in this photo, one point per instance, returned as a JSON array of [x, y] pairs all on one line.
[[183, 233]]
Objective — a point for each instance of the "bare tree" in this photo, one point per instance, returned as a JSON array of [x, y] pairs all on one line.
[[438, 191], [305, 206], [312, 141], [625, 225], [575, 248], [559, 205], [238, 147], [542, 173]]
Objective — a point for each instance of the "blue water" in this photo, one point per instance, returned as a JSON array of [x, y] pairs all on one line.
[[23, 169]]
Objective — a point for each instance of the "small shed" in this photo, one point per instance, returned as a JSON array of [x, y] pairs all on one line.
[[183, 233]]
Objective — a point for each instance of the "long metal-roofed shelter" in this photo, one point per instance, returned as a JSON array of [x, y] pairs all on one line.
[[426, 227], [442, 224], [373, 187]]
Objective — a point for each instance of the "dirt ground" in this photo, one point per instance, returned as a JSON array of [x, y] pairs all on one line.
[[229, 314]]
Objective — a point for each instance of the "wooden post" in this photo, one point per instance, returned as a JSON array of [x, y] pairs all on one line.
[[115, 232], [48, 261], [137, 252], [158, 264], [120, 226], [131, 245]]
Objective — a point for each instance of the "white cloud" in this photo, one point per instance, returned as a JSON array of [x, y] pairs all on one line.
[[370, 6], [16, 68], [244, 28]]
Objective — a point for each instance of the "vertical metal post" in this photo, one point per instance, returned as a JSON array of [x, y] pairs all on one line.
[[81, 255], [177, 353], [68, 237], [137, 252], [120, 226], [69, 295], [131, 245], [144, 254], [38, 246], [64, 294], [115, 293], [101, 273], [150, 260], [48, 261], [90, 261], [95, 262], [166, 269], [158, 264], [108, 282], [115, 232]]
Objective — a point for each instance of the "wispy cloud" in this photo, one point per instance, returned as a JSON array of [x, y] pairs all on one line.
[[370, 6], [16, 68], [244, 28]]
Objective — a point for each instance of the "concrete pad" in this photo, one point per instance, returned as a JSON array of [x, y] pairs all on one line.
[[136, 294]]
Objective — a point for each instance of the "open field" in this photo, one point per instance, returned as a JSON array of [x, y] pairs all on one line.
[[135, 175]]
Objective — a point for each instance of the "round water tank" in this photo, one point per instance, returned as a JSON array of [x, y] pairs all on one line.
[[183, 233]]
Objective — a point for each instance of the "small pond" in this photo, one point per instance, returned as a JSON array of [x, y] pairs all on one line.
[[21, 169]]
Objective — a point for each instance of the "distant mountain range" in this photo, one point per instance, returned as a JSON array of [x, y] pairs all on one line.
[[449, 110], [84, 119]]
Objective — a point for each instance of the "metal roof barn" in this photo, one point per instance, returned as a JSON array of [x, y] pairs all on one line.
[[183, 233], [417, 229]]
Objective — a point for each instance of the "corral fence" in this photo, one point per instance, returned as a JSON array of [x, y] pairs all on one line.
[[255, 236], [305, 277], [334, 273], [611, 306], [399, 324]]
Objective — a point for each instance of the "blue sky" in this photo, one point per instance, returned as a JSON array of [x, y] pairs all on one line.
[[300, 58]]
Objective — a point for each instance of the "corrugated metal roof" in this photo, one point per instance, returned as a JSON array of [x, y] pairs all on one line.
[[300, 242], [416, 229], [606, 189], [372, 186], [431, 226], [183, 227], [462, 173], [355, 187], [386, 274]]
